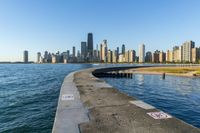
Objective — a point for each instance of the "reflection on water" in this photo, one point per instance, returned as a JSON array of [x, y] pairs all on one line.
[[178, 96], [140, 79]]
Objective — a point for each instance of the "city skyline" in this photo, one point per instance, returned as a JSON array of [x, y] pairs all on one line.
[[73, 51], [56, 26], [187, 52]]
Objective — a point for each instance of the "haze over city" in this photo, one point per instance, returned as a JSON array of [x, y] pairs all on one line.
[[57, 26]]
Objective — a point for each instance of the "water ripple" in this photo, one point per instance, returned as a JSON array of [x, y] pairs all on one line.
[[178, 96], [29, 94]]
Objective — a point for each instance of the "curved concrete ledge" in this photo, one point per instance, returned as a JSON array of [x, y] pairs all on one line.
[[70, 111], [98, 107]]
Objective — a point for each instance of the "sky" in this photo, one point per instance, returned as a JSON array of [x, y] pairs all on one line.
[[57, 25]]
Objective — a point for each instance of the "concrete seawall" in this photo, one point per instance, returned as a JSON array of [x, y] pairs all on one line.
[[70, 111], [90, 105]]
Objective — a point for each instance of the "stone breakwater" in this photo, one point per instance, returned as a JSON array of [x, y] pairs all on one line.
[[89, 105]]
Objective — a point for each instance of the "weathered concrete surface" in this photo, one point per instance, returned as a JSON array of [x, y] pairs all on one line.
[[70, 113], [111, 111]]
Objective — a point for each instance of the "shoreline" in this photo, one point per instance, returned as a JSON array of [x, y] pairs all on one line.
[[167, 74], [148, 71]]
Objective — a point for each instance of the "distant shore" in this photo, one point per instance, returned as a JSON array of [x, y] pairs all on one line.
[[185, 71]]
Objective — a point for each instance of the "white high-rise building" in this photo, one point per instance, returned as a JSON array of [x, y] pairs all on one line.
[[39, 58], [187, 51], [103, 51], [180, 56], [131, 56], [114, 56], [142, 53], [121, 58]]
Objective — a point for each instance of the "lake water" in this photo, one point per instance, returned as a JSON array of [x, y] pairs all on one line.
[[29, 95], [178, 96]]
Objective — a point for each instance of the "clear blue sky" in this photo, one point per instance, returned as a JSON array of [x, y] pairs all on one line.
[[39, 25]]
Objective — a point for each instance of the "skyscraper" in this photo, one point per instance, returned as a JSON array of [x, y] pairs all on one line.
[[114, 56], [109, 56], [90, 45], [127, 56], [46, 57], [100, 53], [96, 54], [25, 56], [142, 53], [123, 49], [148, 57], [83, 50], [195, 55], [97, 51], [78, 54], [169, 56], [162, 57], [64, 57], [155, 56], [104, 50], [180, 53], [176, 54], [54, 59], [132, 54], [46, 54], [187, 51], [39, 57], [74, 51], [117, 54], [68, 54]]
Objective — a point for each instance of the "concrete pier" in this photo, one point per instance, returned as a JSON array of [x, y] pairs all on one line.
[[99, 108]]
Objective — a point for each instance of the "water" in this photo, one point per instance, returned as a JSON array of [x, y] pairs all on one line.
[[178, 96], [29, 95]]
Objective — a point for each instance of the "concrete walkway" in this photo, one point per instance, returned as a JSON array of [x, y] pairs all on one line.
[[108, 110], [70, 111], [111, 111]]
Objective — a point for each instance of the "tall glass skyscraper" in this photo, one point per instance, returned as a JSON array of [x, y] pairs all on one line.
[[25, 56], [73, 51], [83, 50], [123, 49], [90, 45]]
